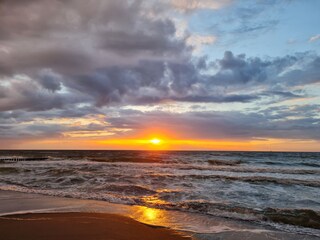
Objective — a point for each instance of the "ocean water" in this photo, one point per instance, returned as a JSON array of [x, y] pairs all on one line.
[[278, 190]]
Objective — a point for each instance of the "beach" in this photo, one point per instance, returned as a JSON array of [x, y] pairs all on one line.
[[71, 226], [35, 216], [20, 218]]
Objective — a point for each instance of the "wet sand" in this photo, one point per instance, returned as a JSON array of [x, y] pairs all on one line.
[[71, 226], [34, 216]]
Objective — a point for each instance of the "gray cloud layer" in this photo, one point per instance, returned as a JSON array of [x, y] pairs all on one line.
[[72, 59]]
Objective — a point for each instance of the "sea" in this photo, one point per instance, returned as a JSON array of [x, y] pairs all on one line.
[[275, 189]]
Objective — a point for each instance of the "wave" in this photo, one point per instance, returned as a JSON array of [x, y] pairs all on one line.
[[242, 169], [8, 170], [60, 172], [250, 179], [301, 218], [282, 181], [124, 159], [127, 189], [224, 162], [311, 164], [298, 217], [240, 184], [70, 180]]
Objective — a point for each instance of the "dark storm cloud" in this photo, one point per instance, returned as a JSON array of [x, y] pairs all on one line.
[[5, 69], [61, 59], [198, 99], [293, 70], [69, 35], [218, 99], [30, 18], [152, 82], [15, 117], [157, 38], [155, 81], [21, 124], [49, 80], [124, 59], [30, 95], [238, 69], [306, 74]]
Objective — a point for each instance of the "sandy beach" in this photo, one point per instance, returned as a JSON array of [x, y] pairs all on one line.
[[71, 226], [32, 216], [35, 216]]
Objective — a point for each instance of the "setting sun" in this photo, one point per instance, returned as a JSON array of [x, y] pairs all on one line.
[[155, 141]]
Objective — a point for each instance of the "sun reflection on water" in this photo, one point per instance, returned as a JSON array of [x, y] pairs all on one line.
[[150, 216]]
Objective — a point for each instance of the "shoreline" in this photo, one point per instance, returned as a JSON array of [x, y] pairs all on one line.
[[69, 226], [29, 205], [45, 217]]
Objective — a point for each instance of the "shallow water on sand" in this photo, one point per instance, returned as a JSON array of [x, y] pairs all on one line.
[[271, 189], [196, 225]]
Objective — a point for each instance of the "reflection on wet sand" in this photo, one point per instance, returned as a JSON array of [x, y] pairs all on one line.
[[150, 216], [190, 223]]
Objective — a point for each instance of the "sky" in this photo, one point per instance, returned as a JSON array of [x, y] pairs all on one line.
[[194, 74]]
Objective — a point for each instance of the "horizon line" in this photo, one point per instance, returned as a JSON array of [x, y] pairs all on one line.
[[162, 150]]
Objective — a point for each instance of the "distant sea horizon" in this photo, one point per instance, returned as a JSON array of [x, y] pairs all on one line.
[[168, 150]]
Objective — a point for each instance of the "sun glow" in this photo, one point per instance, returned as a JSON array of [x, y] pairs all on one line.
[[150, 214], [155, 141]]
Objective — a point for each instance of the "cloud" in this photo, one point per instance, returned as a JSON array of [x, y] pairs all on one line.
[[24, 93], [287, 71], [249, 28], [268, 123], [83, 36], [156, 37], [244, 20], [294, 122], [233, 78], [76, 60], [50, 80], [314, 38], [198, 41], [187, 5], [291, 41], [239, 70]]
